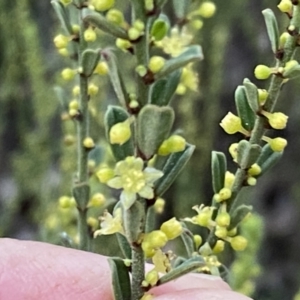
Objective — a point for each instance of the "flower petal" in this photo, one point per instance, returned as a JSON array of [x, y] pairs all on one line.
[[115, 182], [146, 192], [127, 199], [152, 174]]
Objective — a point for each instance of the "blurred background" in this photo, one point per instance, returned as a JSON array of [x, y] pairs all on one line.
[[37, 153]]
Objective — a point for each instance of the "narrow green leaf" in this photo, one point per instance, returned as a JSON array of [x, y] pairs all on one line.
[[115, 77], [179, 260], [101, 22], [89, 61], [192, 54], [188, 241], [252, 96], [244, 110], [181, 8], [164, 89], [160, 3], [272, 28], [124, 245], [188, 266], [247, 154], [150, 220], [173, 166], [267, 159], [114, 115], [63, 16], [154, 125], [218, 169], [81, 193], [238, 215], [120, 279]]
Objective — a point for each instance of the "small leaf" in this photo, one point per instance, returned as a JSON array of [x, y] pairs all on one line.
[[89, 61], [252, 96], [101, 22], [186, 267], [124, 245], [218, 169], [272, 28], [181, 8], [97, 154], [63, 16], [238, 215], [160, 27], [115, 77], [81, 193], [192, 54], [120, 279], [267, 159], [150, 220], [160, 3], [172, 167], [164, 89], [188, 241], [114, 115], [179, 260], [244, 110], [154, 125], [247, 154]]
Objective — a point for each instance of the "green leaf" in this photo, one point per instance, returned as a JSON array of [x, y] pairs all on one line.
[[101, 22], [63, 16], [97, 154], [124, 245], [89, 61], [192, 54], [150, 219], [267, 159], [120, 279], [160, 27], [272, 28], [160, 3], [114, 115], [252, 96], [172, 167], [154, 125], [181, 8], [164, 89], [218, 169], [186, 267], [238, 215], [115, 77], [188, 240], [247, 154], [244, 111]]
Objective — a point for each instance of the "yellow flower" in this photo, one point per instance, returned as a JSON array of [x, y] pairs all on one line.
[[231, 124], [285, 6], [134, 179], [110, 224], [172, 228], [262, 72], [120, 133], [277, 120]]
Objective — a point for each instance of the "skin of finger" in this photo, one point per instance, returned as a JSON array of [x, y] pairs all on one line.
[[44, 271]]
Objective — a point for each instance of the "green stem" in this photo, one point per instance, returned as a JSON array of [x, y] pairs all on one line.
[[274, 91], [82, 163], [138, 273]]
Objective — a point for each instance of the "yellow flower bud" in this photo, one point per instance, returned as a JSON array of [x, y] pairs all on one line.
[[233, 150], [232, 232], [149, 5], [285, 6], [219, 247], [90, 35], [105, 174], [134, 33], [66, 2], [88, 143], [163, 150], [63, 52], [277, 144], [156, 63], [254, 170], [74, 104], [159, 205], [152, 277], [103, 5], [101, 68], [115, 16], [223, 219], [277, 120], [120, 133], [92, 89], [251, 181], [197, 24], [123, 44], [75, 28], [155, 239], [231, 123], [262, 72], [176, 143], [68, 74], [171, 228], [207, 9], [262, 96], [66, 202], [69, 140], [239, 243], [282, 39], [221, 232], [97, 200], [225, 193], [93, 223], [139, 25], [61, 41], [290, 64], [73, 112], [204, 217], [229, 179], [76, 90]]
